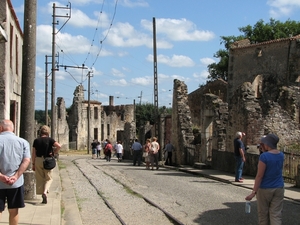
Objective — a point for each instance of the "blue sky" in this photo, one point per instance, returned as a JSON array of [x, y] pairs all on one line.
[[114, 39]]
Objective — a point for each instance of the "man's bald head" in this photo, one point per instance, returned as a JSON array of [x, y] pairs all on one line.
[[6, 125]]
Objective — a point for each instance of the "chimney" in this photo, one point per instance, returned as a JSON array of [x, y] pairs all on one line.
[[111, 100]]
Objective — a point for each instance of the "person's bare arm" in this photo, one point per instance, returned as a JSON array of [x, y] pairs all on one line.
[[24, 165], [260, 173], [242, 154], [57, 147]]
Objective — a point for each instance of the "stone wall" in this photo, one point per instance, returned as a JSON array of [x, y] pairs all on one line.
[[181, 122], [263, 91], [62, 133], [78, 122], [217, 88]]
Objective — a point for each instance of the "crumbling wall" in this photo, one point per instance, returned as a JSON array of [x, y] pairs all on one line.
[[214, 118], [181, 121], [263, 91], [62, 125], [217, 87]]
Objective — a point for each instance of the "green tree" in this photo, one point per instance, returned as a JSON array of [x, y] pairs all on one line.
[[146, 112], [260, 32], [39, 116]]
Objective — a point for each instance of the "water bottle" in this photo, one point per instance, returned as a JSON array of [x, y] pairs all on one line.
[[247, 207]]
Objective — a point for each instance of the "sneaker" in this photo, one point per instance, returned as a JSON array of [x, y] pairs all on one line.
[[240, 181]]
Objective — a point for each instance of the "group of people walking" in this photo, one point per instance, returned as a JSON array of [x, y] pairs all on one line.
[[108, 149], [150, 153]]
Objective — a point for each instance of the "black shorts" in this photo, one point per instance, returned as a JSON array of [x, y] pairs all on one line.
[[14, 197]]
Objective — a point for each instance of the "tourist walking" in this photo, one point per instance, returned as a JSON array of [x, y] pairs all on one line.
[[94, 148], [119, 151], [42, 148], [146, 153], [154, 153], [99, 148], [108, 150], [169, 150], [137, 152], [14, 160], [269, 184], [239, 153]]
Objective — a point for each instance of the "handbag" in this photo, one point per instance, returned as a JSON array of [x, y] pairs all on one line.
[[145, 154], [49, 163]]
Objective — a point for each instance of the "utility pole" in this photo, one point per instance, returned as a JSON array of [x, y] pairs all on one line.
[[46, 87], [155, 78], [28, 88], [88, 111], [53, 105], [140, 97]]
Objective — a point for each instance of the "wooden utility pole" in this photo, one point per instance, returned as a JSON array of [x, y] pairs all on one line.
[[53, 83], [28, 87]]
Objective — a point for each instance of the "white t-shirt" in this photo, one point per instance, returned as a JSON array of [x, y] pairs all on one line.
[[119, 148]]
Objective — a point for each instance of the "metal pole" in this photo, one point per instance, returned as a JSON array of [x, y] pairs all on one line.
[[155, 78], [88, 113], [53, 108], [46, 91]]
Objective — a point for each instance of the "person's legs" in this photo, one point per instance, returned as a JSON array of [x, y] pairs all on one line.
[[139, 155], [263, 197], [48, 181], [170, 158], [238, 168], [276, 206], [156, 160], [39, 175], [13, 216], [152, 160], [134, 157], [2, 201], [15, 200]]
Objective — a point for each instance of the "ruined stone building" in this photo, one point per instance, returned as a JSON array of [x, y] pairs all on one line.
[[105, 122], [261, 96], [118, 123], [263, 90], [11, 43], [78, 122]]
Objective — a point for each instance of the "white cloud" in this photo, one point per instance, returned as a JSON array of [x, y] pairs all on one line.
[[117, 73], [178, 30], [201, 76], [174, 61], [136, 3], [65, 43], [121, 82], [207, 61], [144, 81], [282, 7], [125, 35]]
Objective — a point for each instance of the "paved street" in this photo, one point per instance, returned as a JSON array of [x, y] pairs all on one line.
[[189, 198]]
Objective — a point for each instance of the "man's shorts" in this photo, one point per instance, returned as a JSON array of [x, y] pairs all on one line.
[[14, 197]]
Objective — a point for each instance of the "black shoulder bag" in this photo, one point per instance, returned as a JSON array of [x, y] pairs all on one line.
[[50, 161]]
